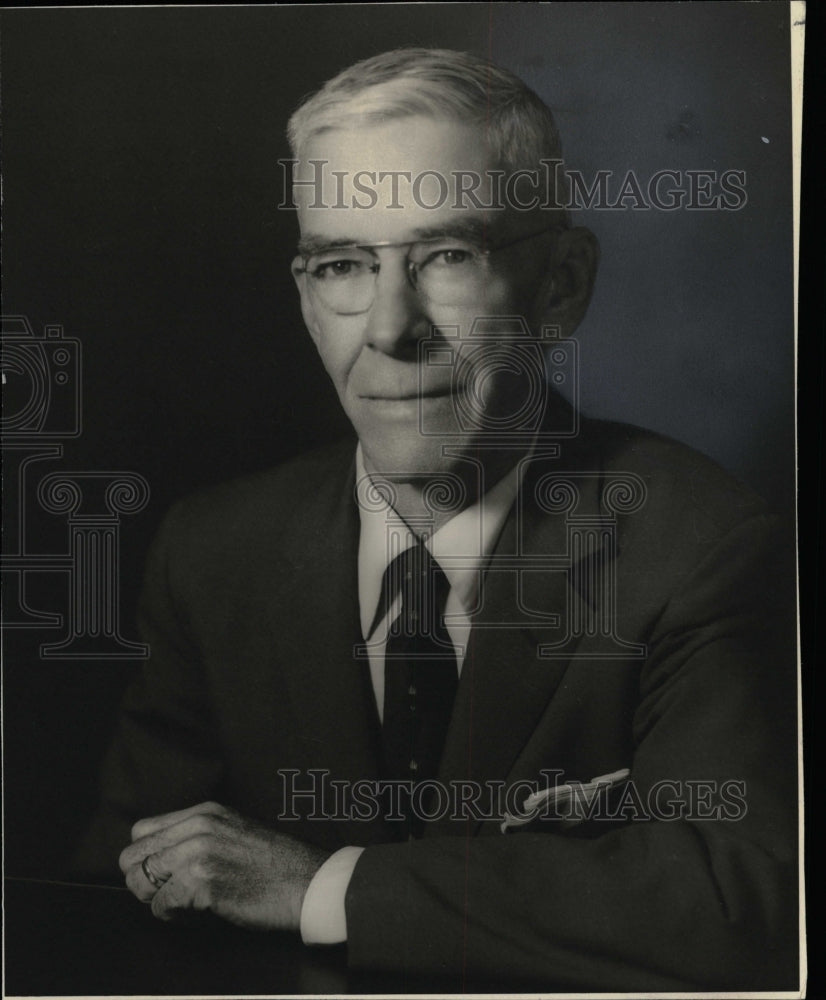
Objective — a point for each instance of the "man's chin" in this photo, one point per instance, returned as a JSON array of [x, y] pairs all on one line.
[[408, 456]]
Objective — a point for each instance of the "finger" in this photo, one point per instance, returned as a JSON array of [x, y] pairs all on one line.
[[186, 861], [154, 824], [173, 898], [188, 888], [192, 826], [139, 883]]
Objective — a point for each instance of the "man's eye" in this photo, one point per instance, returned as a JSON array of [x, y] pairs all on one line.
[[449, 257], [332, 269]]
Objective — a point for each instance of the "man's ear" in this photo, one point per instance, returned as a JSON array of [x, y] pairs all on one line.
[[307, 310], [567, 290]]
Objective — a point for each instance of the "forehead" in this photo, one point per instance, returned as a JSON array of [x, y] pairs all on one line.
[[395, 181]]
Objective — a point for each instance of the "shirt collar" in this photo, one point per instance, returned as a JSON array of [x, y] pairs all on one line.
[[461, 546]]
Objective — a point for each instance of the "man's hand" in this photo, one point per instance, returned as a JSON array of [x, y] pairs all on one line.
[[210, 858]]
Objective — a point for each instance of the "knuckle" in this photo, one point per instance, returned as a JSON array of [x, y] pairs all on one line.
[[202, 845], [125, 860], [169, 901], [202, 898], [138, 885], [159, 907], [200, 870], [202, 824], [220, 812]]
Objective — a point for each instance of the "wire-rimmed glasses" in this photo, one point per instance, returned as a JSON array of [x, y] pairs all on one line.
[[444, 270]]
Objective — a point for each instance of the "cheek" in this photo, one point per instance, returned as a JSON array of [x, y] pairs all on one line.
[[515, 292], [502, 297], [338, 341]]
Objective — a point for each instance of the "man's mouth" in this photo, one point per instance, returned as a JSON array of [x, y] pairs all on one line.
[[437, 392], [407, 397]]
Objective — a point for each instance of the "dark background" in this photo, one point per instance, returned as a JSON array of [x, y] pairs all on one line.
[[140, 186]]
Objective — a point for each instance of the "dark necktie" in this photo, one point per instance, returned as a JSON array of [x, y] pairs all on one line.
[[420, 675]]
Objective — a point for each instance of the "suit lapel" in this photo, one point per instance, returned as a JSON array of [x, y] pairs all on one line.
[[330, 691], [504, 687], [530, 598]]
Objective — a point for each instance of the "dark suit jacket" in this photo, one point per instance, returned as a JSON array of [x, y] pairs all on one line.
[[251, 610]]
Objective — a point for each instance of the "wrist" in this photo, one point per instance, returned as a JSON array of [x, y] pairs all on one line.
[[310, 861]]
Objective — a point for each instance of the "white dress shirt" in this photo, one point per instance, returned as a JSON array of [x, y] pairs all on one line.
[[462, 547]]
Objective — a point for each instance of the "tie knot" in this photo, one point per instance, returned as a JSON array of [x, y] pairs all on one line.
[[417, 578]]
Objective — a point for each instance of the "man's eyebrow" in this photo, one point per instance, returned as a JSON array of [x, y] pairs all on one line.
[[312, 244], [475, 230], [478, 230]]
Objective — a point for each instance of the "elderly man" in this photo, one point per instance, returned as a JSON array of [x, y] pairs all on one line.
[[496, 689]]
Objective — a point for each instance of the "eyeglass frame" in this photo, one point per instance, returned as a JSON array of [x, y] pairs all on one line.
[[413, 268]]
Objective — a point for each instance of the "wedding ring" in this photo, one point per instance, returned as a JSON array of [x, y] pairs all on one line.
[[151, 876]]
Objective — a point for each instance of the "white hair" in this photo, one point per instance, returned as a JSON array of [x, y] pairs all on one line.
[[439, 83]]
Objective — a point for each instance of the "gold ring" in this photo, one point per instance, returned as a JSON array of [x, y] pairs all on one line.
[[151, 876]]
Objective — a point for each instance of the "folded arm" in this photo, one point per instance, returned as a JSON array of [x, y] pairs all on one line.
[[706, 898]]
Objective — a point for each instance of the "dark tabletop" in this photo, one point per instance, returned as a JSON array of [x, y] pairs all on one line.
[[68, 939]]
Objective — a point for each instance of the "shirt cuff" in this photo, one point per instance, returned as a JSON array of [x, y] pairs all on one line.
[[323, 920]]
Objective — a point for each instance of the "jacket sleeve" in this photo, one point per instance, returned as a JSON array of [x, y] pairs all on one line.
[[164, 754], [705, 899]]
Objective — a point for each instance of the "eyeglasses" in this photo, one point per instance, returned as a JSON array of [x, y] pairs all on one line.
[[444, 271]]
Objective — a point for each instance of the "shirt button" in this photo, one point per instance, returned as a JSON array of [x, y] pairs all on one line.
[[412, 690], [413, 765]]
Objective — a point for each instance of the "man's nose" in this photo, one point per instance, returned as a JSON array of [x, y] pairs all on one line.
[[396, 320]]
